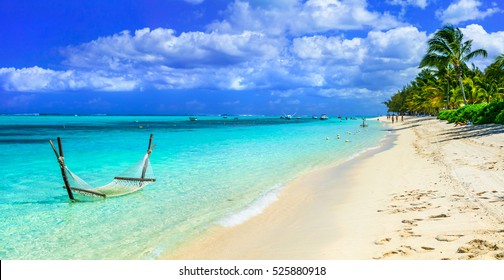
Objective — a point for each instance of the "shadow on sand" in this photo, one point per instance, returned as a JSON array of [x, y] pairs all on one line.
[[470, 131]]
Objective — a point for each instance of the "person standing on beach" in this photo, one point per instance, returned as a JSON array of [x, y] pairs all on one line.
[[392, 118]]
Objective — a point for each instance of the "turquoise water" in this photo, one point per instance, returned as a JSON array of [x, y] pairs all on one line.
[[211, 171]]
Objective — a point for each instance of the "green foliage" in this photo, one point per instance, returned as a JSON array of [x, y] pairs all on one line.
[[476, 113], [468, 113], [446, 114], [500, 118], [489, 113], [447, 48], [440, 85]]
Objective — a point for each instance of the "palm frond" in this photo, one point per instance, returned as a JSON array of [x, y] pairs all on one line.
[[476, 53], [434, 60]]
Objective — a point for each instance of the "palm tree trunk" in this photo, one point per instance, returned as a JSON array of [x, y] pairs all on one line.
[[448, 95], [462, 88]]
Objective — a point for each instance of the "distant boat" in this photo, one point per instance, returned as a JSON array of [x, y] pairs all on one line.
[[324, 117], [193, 119], [224, 116], [288, 117], [314, 117]]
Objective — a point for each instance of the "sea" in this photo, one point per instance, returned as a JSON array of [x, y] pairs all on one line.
[[214, 171]]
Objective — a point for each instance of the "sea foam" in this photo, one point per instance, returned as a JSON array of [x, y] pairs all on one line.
[[255, 208]]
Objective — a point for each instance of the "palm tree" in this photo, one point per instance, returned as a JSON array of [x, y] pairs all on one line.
[[499, 61], [446, 48]]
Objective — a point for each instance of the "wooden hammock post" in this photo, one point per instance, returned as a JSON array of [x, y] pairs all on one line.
[[63, 171], [146, 162], [61, 161]]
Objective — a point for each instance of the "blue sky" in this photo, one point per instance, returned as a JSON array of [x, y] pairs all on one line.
[[234, 57]]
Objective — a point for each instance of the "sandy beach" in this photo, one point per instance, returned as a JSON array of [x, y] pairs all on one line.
[[434, 191]]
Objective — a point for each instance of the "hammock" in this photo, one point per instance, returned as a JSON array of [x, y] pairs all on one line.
[[132, 180]]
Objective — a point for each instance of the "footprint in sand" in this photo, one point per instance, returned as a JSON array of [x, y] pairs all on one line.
[[439, 216], [409, 222], [427, 248], [410, 235], [403, 251], [448, 237], [477, 247], [499, 256], [382, 241]]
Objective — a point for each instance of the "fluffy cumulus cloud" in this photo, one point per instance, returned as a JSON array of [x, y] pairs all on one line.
[[257, 45], [298, 17], [39, 79], [280, 47], [493, 43], [416, 3], [399, 48], [162, 47], [464, 10], [160, 59], [332, 49], [356, 63]]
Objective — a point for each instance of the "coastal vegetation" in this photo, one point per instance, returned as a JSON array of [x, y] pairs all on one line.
[[476, 113], [446, 86]]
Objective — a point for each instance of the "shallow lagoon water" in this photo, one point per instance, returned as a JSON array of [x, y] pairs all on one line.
[[210, 171]]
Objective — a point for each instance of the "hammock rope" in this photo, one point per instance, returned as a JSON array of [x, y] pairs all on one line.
[[133, 179]]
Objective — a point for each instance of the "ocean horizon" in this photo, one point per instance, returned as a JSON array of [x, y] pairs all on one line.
[[213, 171]]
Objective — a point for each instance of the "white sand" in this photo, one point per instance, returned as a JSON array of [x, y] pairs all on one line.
[[437, 193]]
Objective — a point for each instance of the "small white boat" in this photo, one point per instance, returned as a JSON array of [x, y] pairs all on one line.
[[324, 117], [193, 119]]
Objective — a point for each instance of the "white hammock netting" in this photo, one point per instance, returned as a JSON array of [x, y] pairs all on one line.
[[132, 180]]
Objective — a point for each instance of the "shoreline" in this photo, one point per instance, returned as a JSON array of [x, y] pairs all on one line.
[[413, 199]]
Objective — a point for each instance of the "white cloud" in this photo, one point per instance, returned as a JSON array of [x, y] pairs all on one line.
[[162, 47], [260, 45], [464, 10], [344, 63], [493, 43], [403, 45], [344, 15], [299, 18], [288, 61], [334, 48], [417, 3], [39, 79], [158, 59]]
